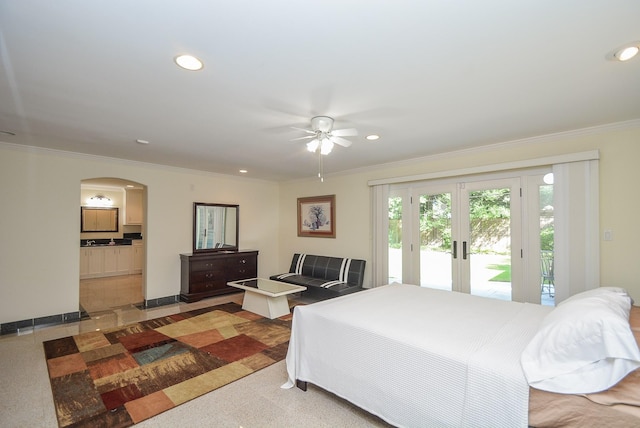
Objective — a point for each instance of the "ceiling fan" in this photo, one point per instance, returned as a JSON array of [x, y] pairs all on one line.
[[323, 136]]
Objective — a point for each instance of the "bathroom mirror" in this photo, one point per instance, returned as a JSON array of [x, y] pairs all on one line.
[[98, 219], [215, 227]]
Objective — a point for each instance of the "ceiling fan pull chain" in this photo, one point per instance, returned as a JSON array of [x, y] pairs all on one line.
[[320, 172]]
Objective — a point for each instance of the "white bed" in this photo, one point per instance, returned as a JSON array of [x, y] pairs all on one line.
[[418, 357]]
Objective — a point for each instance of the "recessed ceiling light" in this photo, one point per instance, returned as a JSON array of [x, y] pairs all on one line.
[[627, 53], [372, 137], [243, 171], [189, 62], [142, 141]]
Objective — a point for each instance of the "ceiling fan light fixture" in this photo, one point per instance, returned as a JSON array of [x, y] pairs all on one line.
[[326, 147], [312, 145]]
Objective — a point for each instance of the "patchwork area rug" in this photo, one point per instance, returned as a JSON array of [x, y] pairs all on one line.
[[121, 376]]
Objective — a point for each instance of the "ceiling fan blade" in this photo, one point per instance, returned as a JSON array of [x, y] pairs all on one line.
[[308, 131], [303, 138], [350, 132], [340, 141]]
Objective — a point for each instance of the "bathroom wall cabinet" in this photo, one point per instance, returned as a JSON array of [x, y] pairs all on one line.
[[133, 207]]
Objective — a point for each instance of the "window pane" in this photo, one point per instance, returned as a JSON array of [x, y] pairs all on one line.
[[395, 239], [547, 287], [490, 246], [435, 241]]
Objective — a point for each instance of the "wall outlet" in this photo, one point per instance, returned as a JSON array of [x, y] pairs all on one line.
[[608, 235]]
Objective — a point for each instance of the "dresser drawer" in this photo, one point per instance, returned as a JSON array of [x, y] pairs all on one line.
[[208, 285], [207, 265], [241, 272], [207, 276], [242, 263]]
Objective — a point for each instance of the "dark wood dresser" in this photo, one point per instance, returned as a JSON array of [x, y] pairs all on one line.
[[206, 274]]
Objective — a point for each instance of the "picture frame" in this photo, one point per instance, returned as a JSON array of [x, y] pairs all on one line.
[[317, 216]]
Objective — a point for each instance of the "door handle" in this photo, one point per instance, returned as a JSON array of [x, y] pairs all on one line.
[[455, 249], [464, 250]]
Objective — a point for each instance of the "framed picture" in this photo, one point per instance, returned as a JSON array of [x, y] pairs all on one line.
[[317, 216]]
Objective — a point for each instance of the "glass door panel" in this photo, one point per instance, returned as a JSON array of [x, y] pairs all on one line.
[[489, 246], [547, 286], [435, 242], [395, 239], [490, 231]]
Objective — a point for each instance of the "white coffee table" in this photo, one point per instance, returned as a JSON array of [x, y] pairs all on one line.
[[266, 297]]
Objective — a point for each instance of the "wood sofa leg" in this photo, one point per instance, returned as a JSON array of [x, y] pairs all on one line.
[[301, 385]]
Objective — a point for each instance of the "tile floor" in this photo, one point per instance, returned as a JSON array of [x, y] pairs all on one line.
[[254, 401], [103, 294]]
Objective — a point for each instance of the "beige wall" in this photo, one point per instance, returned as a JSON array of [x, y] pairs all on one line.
[[40, 224], [619, 148]]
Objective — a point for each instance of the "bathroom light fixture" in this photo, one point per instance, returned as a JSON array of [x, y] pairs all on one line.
[[99, 201], [189, 62]]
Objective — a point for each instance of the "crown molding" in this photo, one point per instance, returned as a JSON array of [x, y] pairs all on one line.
[[127, 162], [592, 130]]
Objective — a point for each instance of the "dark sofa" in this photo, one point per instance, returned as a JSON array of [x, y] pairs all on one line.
[[325, 277]]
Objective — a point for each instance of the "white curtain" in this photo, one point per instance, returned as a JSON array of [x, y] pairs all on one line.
[[576, 234], [380, 222]]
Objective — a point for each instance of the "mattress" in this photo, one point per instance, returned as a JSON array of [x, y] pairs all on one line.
[[417, 356]]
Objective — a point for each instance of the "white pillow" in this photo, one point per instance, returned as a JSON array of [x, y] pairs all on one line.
[[600, 291], [584, 345]]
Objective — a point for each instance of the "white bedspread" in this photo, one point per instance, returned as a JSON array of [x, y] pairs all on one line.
[[418, 357]]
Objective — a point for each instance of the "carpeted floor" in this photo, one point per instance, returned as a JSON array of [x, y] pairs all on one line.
[[121, 376]]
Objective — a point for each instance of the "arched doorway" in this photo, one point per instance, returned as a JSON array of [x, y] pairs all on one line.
[[112, 244]]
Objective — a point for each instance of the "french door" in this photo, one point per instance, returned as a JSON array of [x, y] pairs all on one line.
[[458, 236]]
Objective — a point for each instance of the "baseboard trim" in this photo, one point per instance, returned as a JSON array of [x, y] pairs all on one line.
[[17, 327], [160, 301], [23, 325]]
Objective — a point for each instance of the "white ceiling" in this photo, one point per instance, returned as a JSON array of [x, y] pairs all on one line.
[[427, 76]]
